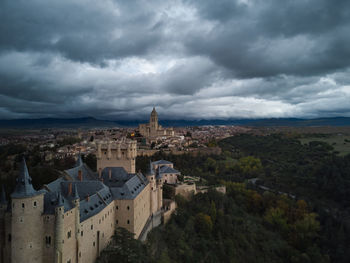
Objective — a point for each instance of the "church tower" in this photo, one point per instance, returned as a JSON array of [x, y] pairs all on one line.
[[153, 122]]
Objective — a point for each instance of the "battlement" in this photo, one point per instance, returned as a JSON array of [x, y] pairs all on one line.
[[120, 153]]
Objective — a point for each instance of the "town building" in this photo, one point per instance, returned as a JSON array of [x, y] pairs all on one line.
[[73, 218]]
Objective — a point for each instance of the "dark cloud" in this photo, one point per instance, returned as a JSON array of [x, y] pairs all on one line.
[[267, 38], [192, 59]]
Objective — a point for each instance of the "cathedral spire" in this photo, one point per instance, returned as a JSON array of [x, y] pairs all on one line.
[[24, 187]]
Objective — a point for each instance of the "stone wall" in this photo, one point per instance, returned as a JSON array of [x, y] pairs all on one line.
[[27, 230]]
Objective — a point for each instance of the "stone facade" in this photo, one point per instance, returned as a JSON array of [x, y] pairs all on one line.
[[74, 217]]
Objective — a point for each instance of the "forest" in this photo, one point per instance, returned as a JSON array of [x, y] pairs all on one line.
[[279, 164]]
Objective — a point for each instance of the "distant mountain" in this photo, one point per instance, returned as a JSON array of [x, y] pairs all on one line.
[[90, 122], [87, 122], [279, 122]]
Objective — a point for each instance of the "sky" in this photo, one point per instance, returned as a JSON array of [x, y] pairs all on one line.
[[191, 59]]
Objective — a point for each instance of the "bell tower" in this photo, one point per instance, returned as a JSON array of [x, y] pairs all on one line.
[[153, 122]]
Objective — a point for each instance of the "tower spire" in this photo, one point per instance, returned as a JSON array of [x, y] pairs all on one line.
[[76, 195], [59, 200], [24, 187], [79, 161], [3, 196]]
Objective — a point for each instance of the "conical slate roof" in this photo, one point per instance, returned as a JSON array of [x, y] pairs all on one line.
[[151, 171], [24, 187], [3, 196], [59, 200], [79, 161], [76, 195]]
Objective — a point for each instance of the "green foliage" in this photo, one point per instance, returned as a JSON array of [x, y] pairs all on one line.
[[250, 166], [124, 248], [310, 171], [236, 234]]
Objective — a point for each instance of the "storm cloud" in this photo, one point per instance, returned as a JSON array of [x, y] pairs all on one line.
[[191, 59]]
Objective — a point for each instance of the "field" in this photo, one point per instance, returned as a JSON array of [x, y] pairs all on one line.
[[340, 142]]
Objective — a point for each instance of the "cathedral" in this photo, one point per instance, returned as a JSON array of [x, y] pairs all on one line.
[[152, 130], [73, 218]]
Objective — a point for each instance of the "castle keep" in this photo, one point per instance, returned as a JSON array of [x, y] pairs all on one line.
[[73, 218]]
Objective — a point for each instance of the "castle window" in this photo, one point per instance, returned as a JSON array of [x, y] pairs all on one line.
[[128, 207], [82, 233], [69, 261], [93, 243], [99, 221], [116, 222], [22, 205], [92, 227], [34, 204], [117, 207], [48, 241], [128, 221], [69, 234]]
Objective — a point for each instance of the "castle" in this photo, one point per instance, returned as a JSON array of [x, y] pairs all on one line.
[[153, 130], [73, 218]]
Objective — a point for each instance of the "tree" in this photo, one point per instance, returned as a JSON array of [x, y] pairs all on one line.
[[250, 166], [204, 224]]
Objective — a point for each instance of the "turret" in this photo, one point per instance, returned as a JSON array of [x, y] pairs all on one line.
[[3, 201], [59, 231], [159, 188], [153, 191], [128, 150], [109, 150], [99, 151], [119, 152], [3, 235], [79, 161], [76, 200], [151, 175], [26, 229]]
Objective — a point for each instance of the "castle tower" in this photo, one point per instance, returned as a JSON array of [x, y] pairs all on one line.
[[3, 201], [59, 229], [3, 206], [153, 122], [26, 227], [153, 191], [159, 190], [76, 201], [121, 153]]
